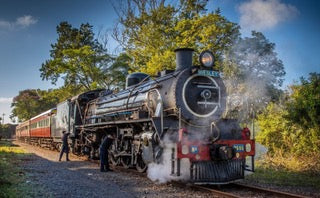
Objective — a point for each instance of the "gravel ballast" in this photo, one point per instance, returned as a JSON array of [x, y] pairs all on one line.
[[79, 178]]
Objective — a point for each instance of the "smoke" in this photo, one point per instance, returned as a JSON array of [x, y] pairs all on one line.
[[161, 172], [249, 95], [252, 70]]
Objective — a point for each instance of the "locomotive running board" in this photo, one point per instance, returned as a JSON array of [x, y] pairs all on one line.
[[113, 123]]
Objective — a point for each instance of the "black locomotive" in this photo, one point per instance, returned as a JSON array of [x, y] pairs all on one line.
[[183, 107]]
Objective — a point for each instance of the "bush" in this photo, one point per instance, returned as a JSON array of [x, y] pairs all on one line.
[[293, 129]]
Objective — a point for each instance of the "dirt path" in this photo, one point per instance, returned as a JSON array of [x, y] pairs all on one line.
[[79, 178]]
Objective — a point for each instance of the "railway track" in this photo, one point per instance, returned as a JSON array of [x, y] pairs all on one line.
[[268, 192], [237, 190], [234, 190]]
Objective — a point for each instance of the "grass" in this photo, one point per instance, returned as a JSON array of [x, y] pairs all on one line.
[[287, 171], [12, 177]]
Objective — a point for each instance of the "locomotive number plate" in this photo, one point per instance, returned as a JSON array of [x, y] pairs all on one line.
[[208, 73], [239, 147], [194, 149]]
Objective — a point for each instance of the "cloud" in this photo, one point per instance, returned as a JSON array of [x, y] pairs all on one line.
[[5, 100], [21, 22], [4, 24], [26, 21], [264, 14]]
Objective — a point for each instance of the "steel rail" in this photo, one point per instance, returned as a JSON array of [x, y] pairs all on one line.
[[265, 190], [215, 192]]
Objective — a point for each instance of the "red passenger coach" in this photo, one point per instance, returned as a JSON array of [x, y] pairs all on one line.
[[40, 125], [23, 130]]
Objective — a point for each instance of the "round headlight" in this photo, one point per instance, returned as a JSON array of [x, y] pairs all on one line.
[[185, 149], [206, 58], [237, 155], [248, 147]]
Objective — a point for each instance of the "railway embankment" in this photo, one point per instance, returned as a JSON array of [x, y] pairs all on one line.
[[282, 179], [13, 180], [30, 171], [47, 177], [300, 175]]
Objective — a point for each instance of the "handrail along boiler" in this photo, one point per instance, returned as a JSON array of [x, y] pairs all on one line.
[[182, 107]]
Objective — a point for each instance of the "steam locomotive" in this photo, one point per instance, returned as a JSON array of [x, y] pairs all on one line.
[[183, 108]]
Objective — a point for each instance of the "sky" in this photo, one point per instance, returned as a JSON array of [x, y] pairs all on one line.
[[27, 28]]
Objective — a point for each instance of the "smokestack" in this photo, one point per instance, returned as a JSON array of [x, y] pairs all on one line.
[[183, 58]]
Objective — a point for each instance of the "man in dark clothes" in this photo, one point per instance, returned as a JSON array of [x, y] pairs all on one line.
[[65, 147], [104, 146]]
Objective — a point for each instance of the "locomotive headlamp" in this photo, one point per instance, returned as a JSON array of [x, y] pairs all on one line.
[[185, 149], [248, 147], [206, 58]]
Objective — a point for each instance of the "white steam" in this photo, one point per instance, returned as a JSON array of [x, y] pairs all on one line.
[[251, 69], [161, 172]]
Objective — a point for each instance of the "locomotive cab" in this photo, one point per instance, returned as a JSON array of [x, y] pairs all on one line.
[[136, 78]]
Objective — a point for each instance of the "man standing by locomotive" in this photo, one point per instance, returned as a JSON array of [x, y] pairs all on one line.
[[105, 145], [65, 146]]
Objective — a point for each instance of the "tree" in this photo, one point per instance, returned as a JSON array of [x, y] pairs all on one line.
[[272, 126], [253, 74], [118, 71], [151, 30], [304, 104], [303, 108], [31, 102], [293, 127], [79, 59]]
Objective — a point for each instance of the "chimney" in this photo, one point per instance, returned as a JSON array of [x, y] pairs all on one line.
[[183, 58]]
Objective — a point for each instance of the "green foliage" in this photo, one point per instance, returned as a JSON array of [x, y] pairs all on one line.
[[293, 128], [80, 60], [9, 173], [118, 71], [272, 127], [3, 129], [7, 130], [275, 176], [31, 102], [303, 108], [304, 105], [153, 29], [14, 180]]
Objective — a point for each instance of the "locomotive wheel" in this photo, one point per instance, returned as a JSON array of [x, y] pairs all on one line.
[[126, 162], [114, 161], [141, 166]]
